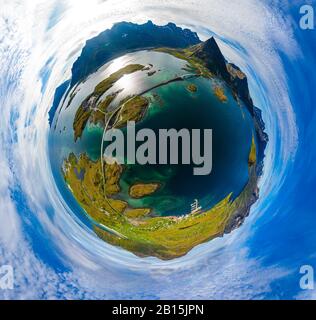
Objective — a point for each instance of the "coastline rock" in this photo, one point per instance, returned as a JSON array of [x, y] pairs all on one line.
[[126, 37]]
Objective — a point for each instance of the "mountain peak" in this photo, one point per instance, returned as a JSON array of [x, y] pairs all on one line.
[[211, 41], [211, 54], [113, 42], [211, 45]]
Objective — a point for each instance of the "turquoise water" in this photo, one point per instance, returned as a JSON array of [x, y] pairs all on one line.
[[176, 108], [232, 134], [62, 138]]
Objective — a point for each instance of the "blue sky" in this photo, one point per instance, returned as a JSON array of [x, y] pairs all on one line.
[[55, 256]]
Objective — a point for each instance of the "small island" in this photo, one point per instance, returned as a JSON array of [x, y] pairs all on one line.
[[253, 153], [112, 177], [138, 191], [192, 88], [132, 110], [220, 94], [131, 228], [92, 107]]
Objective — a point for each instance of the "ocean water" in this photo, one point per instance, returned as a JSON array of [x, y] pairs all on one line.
[[176, 108], [62, 135], [56, 256]]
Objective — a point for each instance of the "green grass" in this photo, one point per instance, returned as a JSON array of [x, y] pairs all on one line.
[[132, 110], [91, 108], [137, 213], [196, 65], [220, 93], [253, 153], [112, 177], [144, 235], [98, 115], [108, 83], [81, 119]]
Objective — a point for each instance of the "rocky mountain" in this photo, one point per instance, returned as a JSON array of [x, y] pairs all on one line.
[[239, 82], [60, 91], [126, 37], [210, 53]]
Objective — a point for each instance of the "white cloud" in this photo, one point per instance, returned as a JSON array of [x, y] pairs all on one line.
[[224, 268]]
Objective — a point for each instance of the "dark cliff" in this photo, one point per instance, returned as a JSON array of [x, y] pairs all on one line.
[[210, 53], [125, 37]]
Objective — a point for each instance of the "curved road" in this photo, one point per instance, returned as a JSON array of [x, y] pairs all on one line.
[[119, 108]]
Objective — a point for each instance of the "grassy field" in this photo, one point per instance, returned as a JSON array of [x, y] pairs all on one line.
[[92, 108], [98, 114], [142, 233], [137, 229], [81, 119], [108, 83], [140, 190], [253, 153]]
